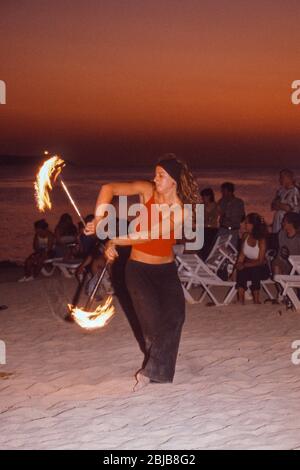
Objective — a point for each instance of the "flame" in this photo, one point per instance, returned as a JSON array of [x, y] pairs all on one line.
[[50, 169], [96, 319]]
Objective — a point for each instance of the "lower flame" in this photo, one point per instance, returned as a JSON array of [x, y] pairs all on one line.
[[43, 184], [96, 319]]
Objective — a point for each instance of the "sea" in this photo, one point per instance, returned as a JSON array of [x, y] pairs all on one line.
[[18, 208]]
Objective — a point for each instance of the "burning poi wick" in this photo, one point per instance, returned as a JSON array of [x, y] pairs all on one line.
[[50, 170], [95, 319], [98, 318]]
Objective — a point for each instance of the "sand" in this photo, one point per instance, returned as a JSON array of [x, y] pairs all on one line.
[[235, 385]]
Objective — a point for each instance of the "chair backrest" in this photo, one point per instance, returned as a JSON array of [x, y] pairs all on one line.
[[191, 264], [221, 251], [295, 262], [221, 240]]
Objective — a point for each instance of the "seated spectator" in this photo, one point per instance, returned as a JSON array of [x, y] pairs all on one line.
[[251, 264], [211, 215], [65, 237], [232, 213], [43, 243], [289, 243]]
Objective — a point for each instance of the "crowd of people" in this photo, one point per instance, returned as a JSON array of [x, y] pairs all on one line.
[[251, 235], [67, 242]]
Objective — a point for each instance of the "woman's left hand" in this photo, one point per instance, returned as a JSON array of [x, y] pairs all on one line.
[[110, 251], [90, 228]]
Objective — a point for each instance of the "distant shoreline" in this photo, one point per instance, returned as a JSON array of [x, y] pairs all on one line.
[[36, 161]]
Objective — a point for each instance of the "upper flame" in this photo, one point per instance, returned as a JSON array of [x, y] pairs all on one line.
[[51, 168], [96, 319]]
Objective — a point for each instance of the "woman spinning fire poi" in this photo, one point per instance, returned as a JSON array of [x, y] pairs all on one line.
[[151, 274]]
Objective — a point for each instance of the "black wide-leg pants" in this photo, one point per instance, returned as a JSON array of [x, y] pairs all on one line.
[[159, 303]]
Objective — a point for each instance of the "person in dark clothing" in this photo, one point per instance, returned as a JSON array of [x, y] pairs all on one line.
[[65, 237], [232, 213], [86, 243], [118, 280], [211, 215], [288, 243]]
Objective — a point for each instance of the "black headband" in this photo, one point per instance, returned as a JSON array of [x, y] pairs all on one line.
[[172, 167]]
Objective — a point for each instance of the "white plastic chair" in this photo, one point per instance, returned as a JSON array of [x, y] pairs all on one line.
[[223, 250], [193, 271], [67, 268], [290, 282]]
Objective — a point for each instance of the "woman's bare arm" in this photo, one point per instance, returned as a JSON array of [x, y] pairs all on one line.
[[108, 191], [241, 257], [142, 188]]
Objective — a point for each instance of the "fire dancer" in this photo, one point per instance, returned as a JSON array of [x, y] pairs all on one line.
[[151, 273]]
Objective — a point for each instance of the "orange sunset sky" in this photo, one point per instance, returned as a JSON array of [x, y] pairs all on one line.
[[118, 82]]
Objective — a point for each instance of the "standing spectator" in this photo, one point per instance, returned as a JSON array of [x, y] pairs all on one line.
[[232, 212], [287, 199], [211, 215]]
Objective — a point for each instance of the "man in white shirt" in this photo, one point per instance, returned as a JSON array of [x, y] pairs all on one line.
[[287, 199]]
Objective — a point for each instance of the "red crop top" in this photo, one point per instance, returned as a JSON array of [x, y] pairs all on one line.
[[156, 247]]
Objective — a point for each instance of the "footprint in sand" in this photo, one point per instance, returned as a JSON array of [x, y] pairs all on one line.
[[5, 375]]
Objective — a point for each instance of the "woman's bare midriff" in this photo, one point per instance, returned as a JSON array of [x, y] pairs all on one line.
[[137, 255]]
